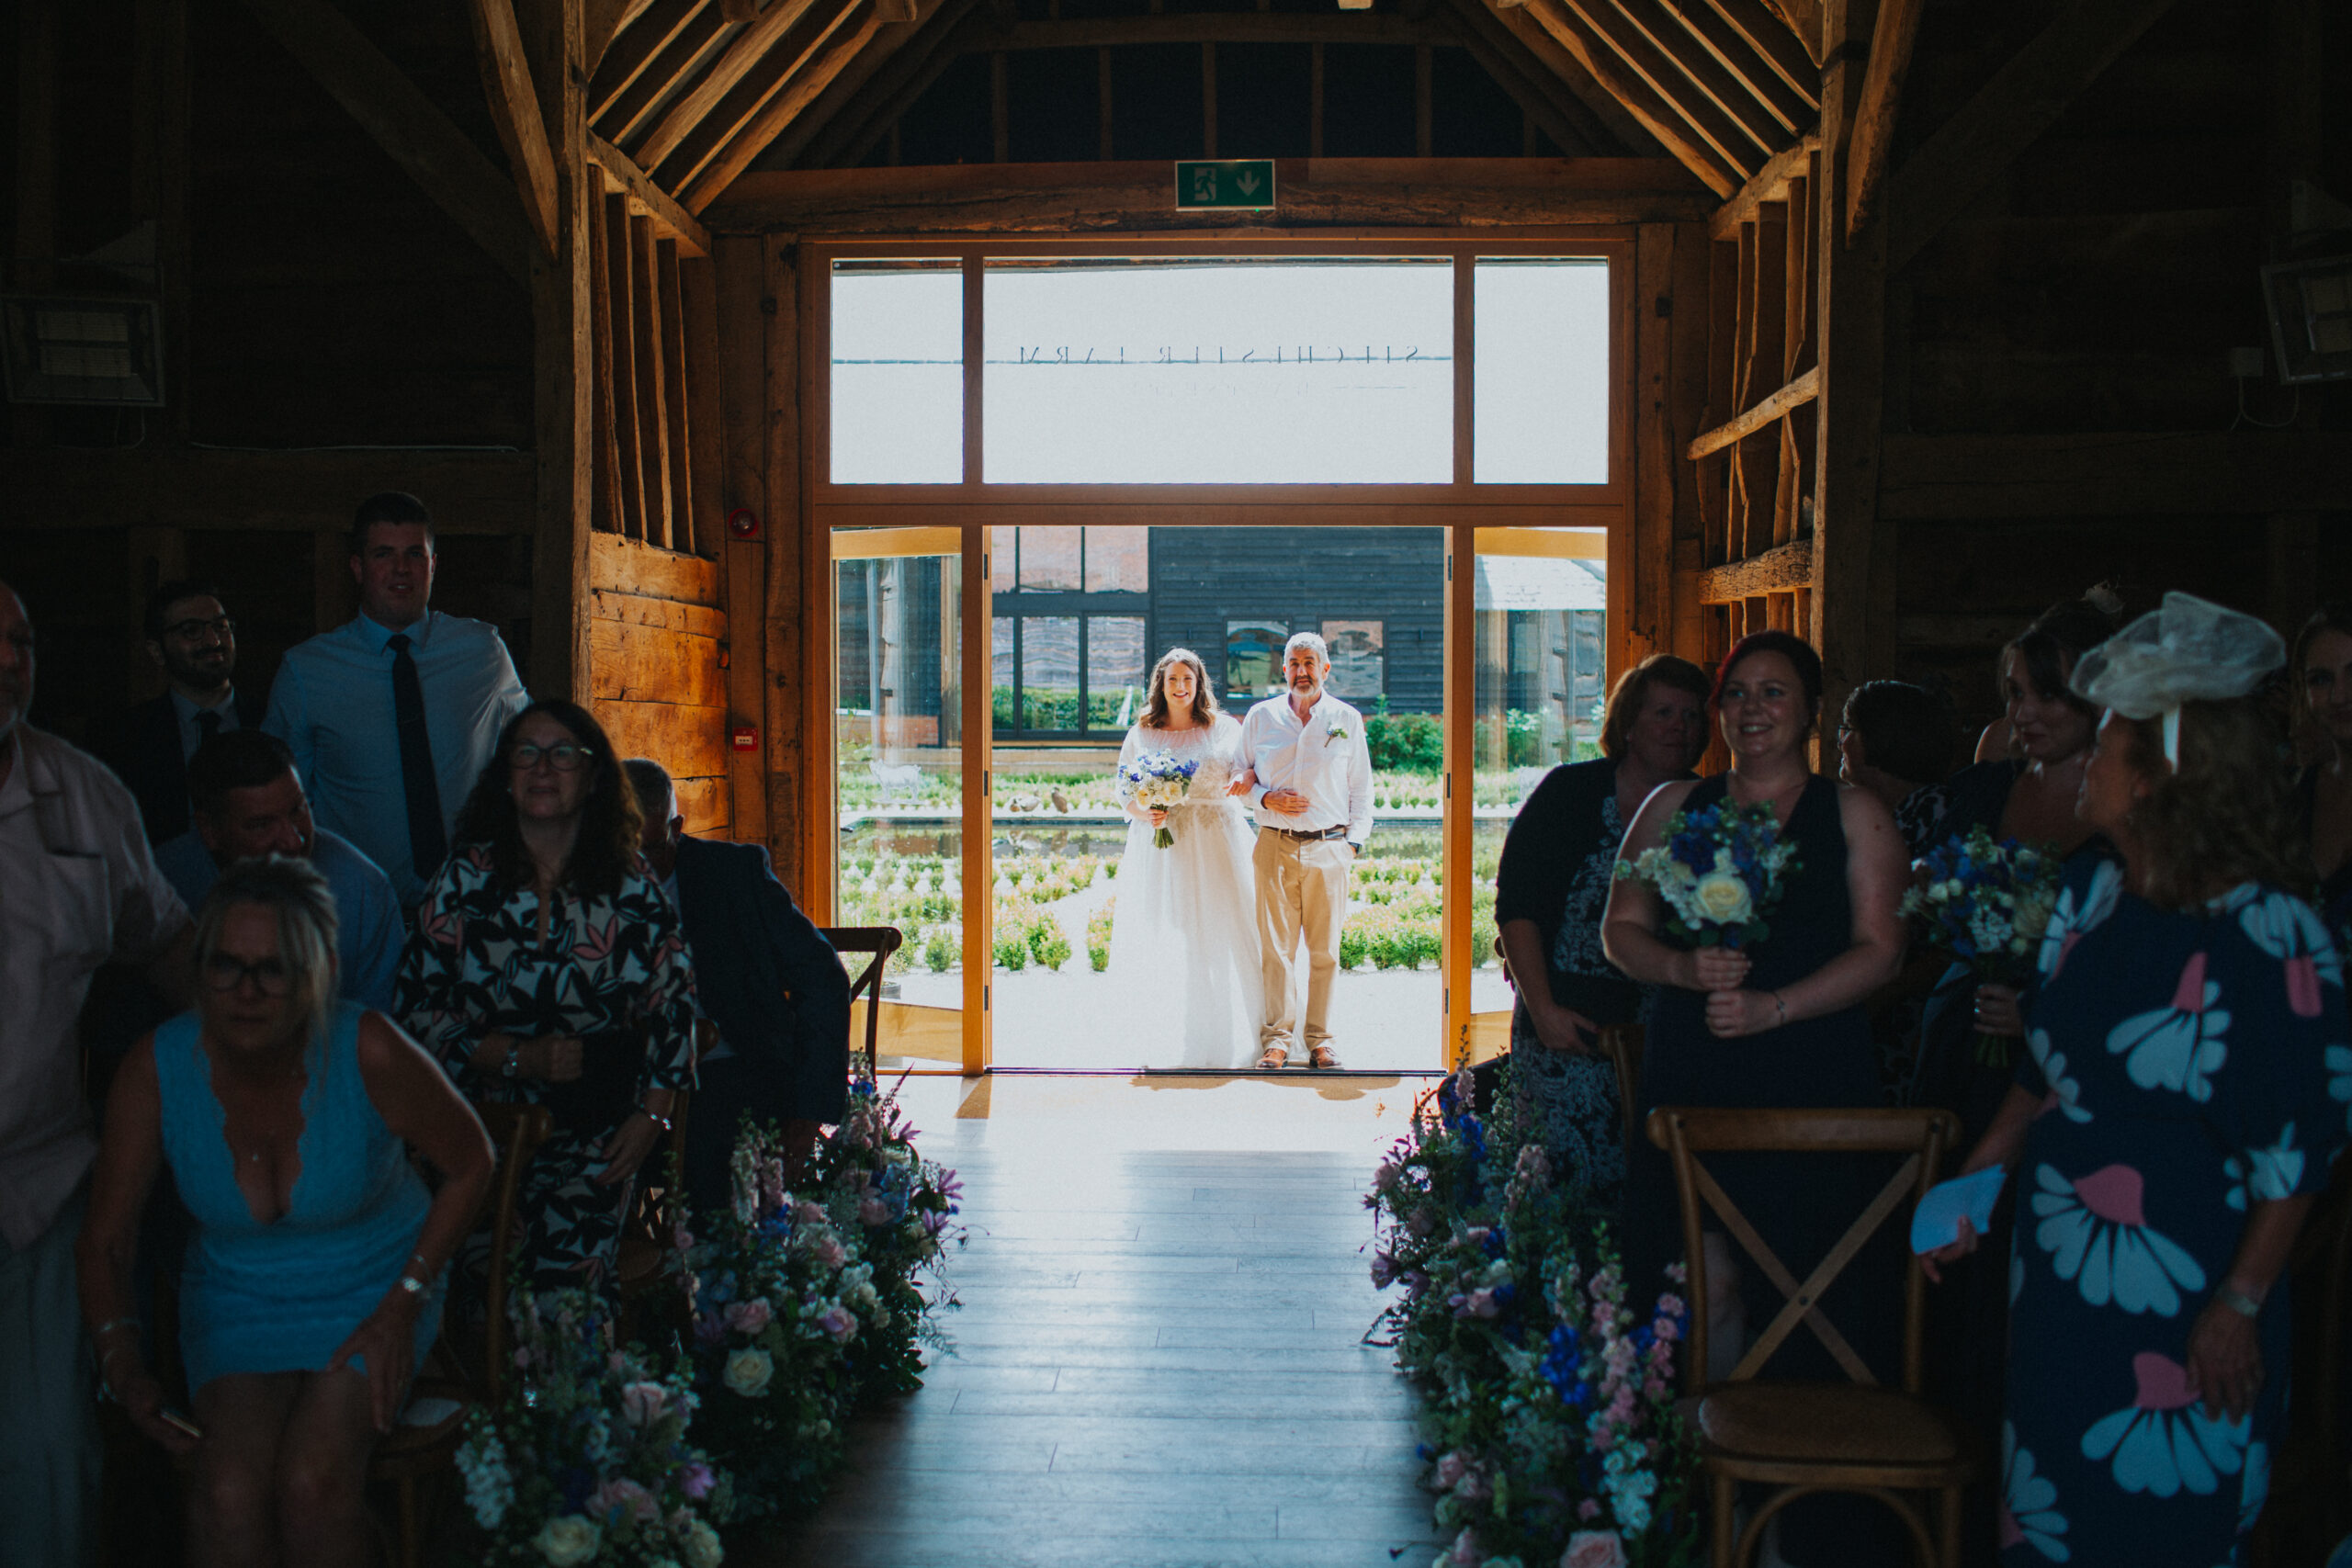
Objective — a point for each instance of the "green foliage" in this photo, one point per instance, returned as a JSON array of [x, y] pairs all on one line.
[[1098, 934], [939, 951], [1012, 951], [1405, 742], [1048, 943]]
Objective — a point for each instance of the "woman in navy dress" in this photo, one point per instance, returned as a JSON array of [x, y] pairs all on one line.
[[2171, 1123]]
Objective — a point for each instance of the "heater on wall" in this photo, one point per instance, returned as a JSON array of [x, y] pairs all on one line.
[[61, 349]]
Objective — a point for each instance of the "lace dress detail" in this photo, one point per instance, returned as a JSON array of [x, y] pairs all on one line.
[[1570, 1103], [1184, 931]]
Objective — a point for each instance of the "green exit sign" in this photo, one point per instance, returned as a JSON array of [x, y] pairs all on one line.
[[1244, 183]]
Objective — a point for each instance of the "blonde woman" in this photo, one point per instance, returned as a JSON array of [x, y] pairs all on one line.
[[1187, 912]]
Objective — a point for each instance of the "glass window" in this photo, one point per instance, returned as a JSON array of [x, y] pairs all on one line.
[[1118, 560], [1049, 672], [1049, 559], [1358, 666], [1175, 371], [898, 372], [1541, 374], [1001, 668], [1004, 545], [1114, 670], [1253, 657]]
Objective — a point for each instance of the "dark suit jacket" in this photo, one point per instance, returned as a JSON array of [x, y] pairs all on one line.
[[142, 747], [752, 946]]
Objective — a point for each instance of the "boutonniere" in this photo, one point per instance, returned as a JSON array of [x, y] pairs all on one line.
[[1335, 731]]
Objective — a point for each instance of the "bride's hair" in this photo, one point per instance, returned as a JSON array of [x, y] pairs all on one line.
[[1204, 708]]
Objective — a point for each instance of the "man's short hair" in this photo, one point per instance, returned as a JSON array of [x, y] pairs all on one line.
[[236, 759], [168, 594], [657, 796], [388, 506], [1309, 640]]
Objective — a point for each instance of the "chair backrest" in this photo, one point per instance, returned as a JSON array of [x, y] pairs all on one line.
[[881, 942], [653, 1202], [518, 1130], [1686, 1132]]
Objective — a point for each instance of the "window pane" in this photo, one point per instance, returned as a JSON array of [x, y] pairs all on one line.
[[1049, 672], [1317, 370], [1118, 560], [1358, 666], [1253, 657], [1542, 376], [897, 373], [1049, 559], [1001, 667], [1002, 544], [1114, 669]]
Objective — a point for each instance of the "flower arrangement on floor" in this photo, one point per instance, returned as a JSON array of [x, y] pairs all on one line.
[[1987, 904], [1720, 871], [586, 1460], [1155, 781], [1550, 1416]]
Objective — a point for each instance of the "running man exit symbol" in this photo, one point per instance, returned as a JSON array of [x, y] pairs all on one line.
[[1247, 184]]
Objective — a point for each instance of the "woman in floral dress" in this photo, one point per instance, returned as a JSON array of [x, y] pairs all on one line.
[[2172, 1122], [549, 968]]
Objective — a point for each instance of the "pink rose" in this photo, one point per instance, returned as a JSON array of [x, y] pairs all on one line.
[[1473, 1488], [837, 1322], [1452, 1467], [1482, 1302], [642, 1403], [830, 1252], [873, 1211], [1464, 1553], [1589, 1509], [626, 1495], [749, 1317], [807, 1213], [1594, 1549]]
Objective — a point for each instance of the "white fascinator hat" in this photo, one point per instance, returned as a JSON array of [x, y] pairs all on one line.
[[2190, 650]]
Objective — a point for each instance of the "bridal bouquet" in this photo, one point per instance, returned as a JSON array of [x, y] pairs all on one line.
[[1720, 871], [1155, 781], [1987, 904]]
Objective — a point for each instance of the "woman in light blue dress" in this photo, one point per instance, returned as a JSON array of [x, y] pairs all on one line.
[[311, 1283]]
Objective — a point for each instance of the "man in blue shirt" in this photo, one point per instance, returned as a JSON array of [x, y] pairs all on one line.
[[393, 716], [249, 802]]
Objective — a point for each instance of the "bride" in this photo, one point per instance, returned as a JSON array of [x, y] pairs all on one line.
[[1189, 912]]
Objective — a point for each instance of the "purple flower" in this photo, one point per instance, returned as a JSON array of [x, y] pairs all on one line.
[[1384, 1271], [837, 1322], [697, 1481]]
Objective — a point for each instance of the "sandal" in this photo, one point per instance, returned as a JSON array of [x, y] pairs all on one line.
[[1322, 1056], [1276, 1058]]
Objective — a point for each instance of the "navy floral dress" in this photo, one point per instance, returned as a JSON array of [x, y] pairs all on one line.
[[2190, 1065], [615, 972]]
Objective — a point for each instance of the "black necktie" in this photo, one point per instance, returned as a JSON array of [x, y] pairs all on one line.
[[208, 725], [427, 841]]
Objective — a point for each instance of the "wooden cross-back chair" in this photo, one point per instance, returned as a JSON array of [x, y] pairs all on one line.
[[1620, 1043], [653, 1214], [412, 1455], [1802, 1437], [881, 942]]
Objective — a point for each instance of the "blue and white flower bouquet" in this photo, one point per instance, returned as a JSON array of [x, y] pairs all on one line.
[[1155, 781], [1720, 872], [1987, 904]]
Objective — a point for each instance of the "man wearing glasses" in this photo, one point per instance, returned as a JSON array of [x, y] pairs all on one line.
[[193, 643], [392, 715]]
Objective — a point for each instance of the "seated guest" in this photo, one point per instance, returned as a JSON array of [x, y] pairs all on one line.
[[765, 977], [1554, 881], [2172, 1121], [192, 640], [1895, 742], [2322, 695], [312, 1281], [548, 968], [249, 802]]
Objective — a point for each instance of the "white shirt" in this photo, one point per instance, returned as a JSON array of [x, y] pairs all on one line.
[[1323, 759], [78, 889]]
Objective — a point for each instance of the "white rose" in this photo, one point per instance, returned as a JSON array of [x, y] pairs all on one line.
[[747, 1372], [703, 1548], [568, 1540], [1723, 898]]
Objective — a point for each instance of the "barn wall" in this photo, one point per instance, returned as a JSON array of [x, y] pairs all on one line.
[[657, 628]]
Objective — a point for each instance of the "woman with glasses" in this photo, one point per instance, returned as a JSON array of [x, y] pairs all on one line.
[[548, 966], [312, 1281]]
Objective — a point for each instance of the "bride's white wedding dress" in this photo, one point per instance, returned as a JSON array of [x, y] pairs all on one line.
[[1185, 932]]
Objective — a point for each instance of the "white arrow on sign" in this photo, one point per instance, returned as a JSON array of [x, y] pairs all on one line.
[[1249, 183]]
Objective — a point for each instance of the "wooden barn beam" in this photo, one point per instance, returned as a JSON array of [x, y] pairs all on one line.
[[846, 97], [1780, 570], [865, 120], [633, 51], [1546, 52], [1740, 148], [2024, 99], [1660, 116], [827, 58], [1796, 394], [645, 198], [1675, 41], [602, 21], [750, 106], [1542, 96], [1796, 105], [473, 492], [706, 93], [1891, 43], [409, 126], [1794, 50], [631, 110], [2114, 474], [515, 110], [1770, 184]]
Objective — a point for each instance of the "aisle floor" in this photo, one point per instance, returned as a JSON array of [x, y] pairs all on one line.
[[1158, 1357]]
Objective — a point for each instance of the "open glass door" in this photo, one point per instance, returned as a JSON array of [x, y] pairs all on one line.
[[898, 771], [1538, 642]]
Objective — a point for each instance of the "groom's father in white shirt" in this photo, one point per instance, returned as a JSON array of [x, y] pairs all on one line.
[[1313, 793]]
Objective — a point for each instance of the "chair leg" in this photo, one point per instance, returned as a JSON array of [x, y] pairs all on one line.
[[1725, 1497], [1947, 1529]]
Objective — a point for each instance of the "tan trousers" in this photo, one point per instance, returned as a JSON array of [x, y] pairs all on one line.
[[1302, 891]]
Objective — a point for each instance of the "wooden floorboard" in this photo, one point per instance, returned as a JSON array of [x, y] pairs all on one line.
[[1159, 1365]]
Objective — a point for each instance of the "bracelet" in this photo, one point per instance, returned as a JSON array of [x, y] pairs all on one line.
[[411, 1285], [2238, 1301], [1782, 1007], [664, 1123]]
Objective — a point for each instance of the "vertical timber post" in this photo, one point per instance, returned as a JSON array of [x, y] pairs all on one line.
[[564, 372]]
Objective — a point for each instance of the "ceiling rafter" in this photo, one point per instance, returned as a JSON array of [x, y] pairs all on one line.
[[1661, 116], [1665, 32], [1795, 108], [1548, 51], [634, 48], [1738, 146], [844, 97], [746, 53], [907, 78], [830, 57], [701, 40], [729, 117], [1546, 100]]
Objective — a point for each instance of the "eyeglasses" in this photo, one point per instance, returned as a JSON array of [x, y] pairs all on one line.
[[189, 630], [564, 758], [224, 974]]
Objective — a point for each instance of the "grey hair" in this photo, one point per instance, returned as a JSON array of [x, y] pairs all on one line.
[[293, 890], [1309, 640], [654, 788]]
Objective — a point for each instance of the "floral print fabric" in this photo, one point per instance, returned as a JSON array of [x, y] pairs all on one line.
[[2183, 1062]]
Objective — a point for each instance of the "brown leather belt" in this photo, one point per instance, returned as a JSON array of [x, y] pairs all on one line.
[[1306, 836]]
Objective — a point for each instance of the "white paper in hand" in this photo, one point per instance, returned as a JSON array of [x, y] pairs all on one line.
[[1935, 1222]]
